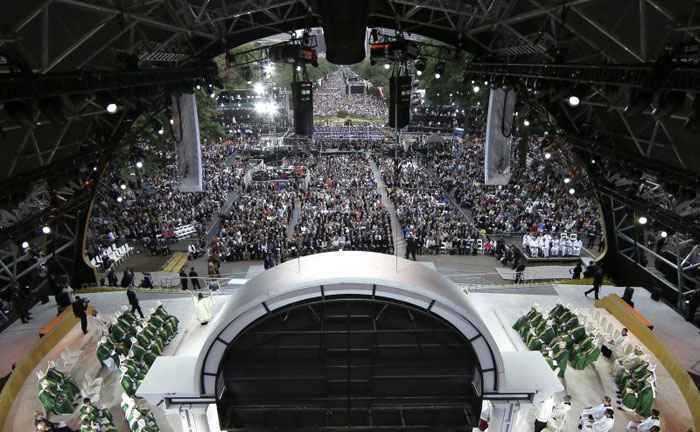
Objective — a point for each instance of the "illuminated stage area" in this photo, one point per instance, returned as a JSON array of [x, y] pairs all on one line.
[[346, 340], [344, 216], [349, 340]]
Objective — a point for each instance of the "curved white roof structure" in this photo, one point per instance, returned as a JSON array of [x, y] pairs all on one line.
[[191, 375], [350, 272]]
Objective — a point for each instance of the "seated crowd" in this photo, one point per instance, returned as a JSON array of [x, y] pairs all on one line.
[[147, 209], [423, 209], [331, 98], [342, 210], [536, 201], [256, 226]]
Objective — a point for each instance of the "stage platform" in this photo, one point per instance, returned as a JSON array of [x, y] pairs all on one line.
[[537, 273], [499, 307]]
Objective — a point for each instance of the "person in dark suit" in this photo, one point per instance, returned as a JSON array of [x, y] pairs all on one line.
[[19, 304], [597, 282], [133, 301], [411, 247], [576, 271], [183, 279], [80, 311], [195, 281]]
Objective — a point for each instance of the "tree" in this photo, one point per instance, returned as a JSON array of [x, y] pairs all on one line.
[[377, 75]]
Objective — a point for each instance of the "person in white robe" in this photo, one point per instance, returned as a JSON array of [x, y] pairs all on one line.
[[203, 308], [645, 425], [596, 412], [603, 424]]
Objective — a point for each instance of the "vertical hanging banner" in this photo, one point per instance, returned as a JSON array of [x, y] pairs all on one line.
[[189, 150], [499, 133]]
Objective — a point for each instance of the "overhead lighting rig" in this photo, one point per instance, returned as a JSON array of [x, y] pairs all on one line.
[[20, 87], [295, 51]]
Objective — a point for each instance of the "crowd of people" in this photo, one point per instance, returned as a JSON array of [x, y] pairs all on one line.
[[331, 98], [256, 226], [427, 219], [348, 133], [147, 208], [342, 209], [539, 200]]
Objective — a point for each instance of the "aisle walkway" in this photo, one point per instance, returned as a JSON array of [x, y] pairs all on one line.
[[450, 196], [296, 215], [216, 220], [399, 241]]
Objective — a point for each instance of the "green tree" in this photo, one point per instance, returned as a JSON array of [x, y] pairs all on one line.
[[377, 74]]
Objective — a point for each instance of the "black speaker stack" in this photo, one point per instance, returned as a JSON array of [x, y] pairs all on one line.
[[399, 101], [303, 104]]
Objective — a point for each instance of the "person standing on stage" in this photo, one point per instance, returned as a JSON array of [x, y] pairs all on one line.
[[133, 301], [80, 311], [183, 279]]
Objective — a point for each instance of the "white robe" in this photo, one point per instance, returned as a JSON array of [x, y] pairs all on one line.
[[604, 424], [643, 426], [544, 411], [597, 412], [203, 309]]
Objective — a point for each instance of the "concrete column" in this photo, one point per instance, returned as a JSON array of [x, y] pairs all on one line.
[[508, 416], [194, 418]]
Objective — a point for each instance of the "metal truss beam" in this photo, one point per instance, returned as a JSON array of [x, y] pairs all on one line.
[[19, 87], [680, 78], [526, 16], [142, 19]]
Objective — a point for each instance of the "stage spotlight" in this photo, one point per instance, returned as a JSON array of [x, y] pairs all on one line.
[[547, 155], [387, 66], [439, 69], [476, 89], [567, 180], [112, 108], [94, 168], [139, 164], [123, 186], [172, 122], [161, 131], [298, 68], [663, 234], [212, 95], [25, 245], [259, 88], [642, 220], [574, 100], [119, 199], [572, 191], [46, 229], [198, 87], [526, 122]]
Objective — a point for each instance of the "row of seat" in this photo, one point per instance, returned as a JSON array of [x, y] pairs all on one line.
[[561, 336], [115, 253]]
